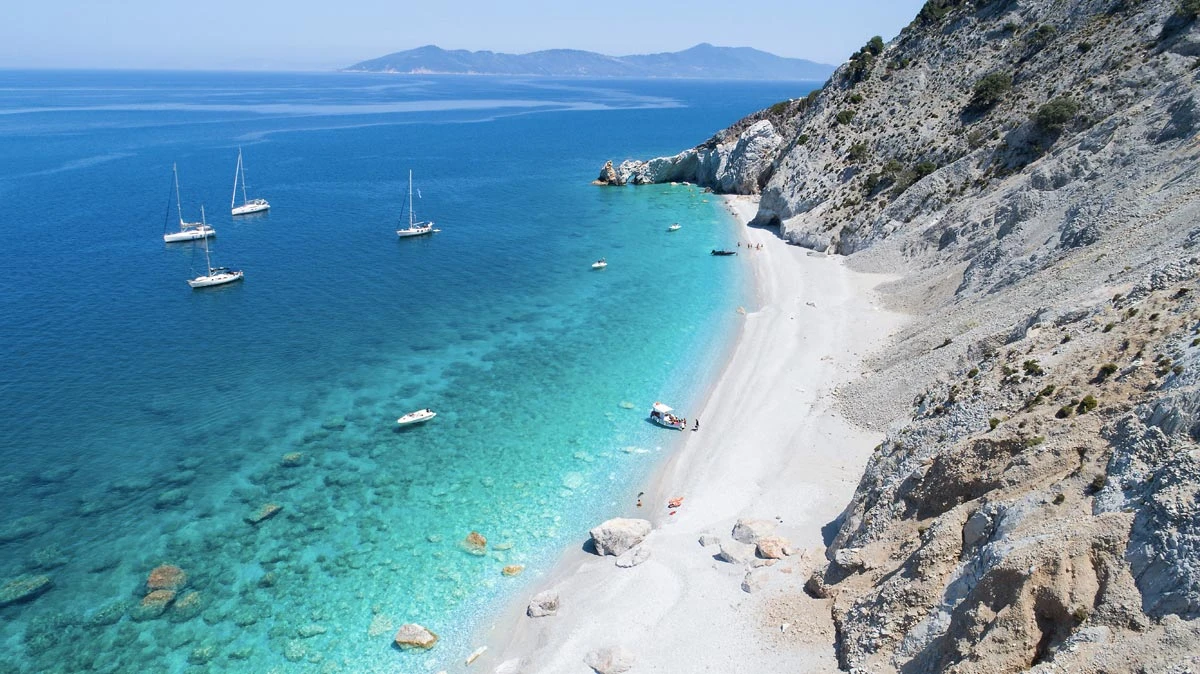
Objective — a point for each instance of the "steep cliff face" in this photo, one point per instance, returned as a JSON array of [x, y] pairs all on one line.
[[1032, 168]]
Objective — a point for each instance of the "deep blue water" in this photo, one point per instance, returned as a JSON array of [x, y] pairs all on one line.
[[144, 420]]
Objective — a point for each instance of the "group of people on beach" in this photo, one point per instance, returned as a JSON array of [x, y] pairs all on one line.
[[751, 246]]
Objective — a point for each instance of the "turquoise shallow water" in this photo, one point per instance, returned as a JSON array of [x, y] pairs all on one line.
[[145, 421]]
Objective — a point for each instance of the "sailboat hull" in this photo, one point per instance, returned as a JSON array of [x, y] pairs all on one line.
[[256, 206], [416, 230], [217, 279], [189, 234]]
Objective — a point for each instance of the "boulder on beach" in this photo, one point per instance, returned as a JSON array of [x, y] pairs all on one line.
[[749, 531], [755, 580], [543, 604], [736, 553], [166, 577], [265, 512], [633, 556], [849, 559], [412, 635], [23, 588], [617, 535], [773, 547], [611, 660]]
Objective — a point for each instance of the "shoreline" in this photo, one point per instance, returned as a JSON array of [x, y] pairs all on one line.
[[771, 446]]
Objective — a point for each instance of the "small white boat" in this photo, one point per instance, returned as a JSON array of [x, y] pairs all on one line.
[[188, 231], [216, 276], [418, 417], [599, 264], [662, 415], [248, 205], [414, 228], [674, 228]]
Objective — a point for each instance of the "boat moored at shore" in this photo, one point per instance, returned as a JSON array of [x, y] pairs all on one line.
[[662, 415]]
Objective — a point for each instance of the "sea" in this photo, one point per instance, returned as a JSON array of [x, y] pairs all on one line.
[[245, 435]]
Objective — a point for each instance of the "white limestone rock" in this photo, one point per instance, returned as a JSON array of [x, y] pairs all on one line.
[[617, 535], [633, 556], [749, 531], [543, 604], [736, 553], [611, 660]]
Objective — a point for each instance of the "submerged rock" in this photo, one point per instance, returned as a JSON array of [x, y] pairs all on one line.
[[475, 544], [166, 577], [23, 588], [186, 607], [153, 605], [170, 498], [291, 460], [612, 660], [543, 604], [412, 636], [22, 528], [266, 512], [617, 535], [513, 569]]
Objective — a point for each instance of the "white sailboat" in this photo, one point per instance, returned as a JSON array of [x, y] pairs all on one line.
[[216, 275], [414, 228], [188, 231], [248, 205]]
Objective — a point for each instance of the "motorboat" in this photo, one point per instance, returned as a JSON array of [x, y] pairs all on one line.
[[674, 227], [418, 417], [216, 276], [662, 415], [721, 253], [414, 228], [599, 264], [248, 205]]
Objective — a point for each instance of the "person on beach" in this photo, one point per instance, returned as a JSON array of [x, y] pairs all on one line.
[[697, 426]]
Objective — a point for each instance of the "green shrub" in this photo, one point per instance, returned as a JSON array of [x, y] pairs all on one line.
[[892, 167], [1059, 498], [1043, 34], [778, 108], [813, 96], [1035, 441], [1033, 368], [1086, 405], [858, 152], [1109, 326], [1054, 115], [1084, 47], [1010, 27], [1048, 391], [993, 423], [1189, 8], [1106, 371], [855, 98], [844, 117], [923, 169], [1064, 411], [802, 139], [972, 374], [934, 11], [989, 90]]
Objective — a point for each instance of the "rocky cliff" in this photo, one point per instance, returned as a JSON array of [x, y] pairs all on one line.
[[1031, 167]]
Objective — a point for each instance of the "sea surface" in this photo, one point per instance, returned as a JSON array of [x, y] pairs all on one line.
[[146, 423]]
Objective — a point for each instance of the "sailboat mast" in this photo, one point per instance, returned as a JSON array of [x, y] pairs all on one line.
[[207, 260], [410, 202], [242, 170], [178, 203], [236, 171]]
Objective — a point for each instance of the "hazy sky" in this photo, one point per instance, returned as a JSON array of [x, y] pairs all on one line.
[[306, 34]]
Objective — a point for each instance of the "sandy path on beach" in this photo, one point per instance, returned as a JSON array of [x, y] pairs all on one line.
[[771, 446]]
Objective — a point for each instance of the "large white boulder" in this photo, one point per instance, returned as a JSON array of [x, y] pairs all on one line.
[[749, 531], [617, 535], [543, 604]]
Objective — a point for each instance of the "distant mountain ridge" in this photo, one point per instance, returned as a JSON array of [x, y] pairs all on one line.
[[702, 61]]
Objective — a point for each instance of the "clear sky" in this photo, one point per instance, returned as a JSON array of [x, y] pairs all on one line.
[[311, 35]]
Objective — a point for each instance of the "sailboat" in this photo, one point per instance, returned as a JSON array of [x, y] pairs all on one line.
[[188, 231], [414, 228], [248, 205], [216, 275]]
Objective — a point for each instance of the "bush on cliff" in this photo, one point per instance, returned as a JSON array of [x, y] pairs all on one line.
[[844, 117], [989, 90], [1053, 116]]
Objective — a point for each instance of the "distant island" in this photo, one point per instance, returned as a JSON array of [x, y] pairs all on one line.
[[702, 61]]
